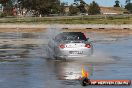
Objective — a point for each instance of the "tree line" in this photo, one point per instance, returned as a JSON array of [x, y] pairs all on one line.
[[47, 7]]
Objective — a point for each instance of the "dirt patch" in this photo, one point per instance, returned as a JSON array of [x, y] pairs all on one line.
[[28, 30], [109, 31]]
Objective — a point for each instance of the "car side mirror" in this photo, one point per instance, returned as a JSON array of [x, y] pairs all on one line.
[[87, 39]]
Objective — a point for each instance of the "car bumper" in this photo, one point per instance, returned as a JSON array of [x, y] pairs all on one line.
[[74, 57], [74, 53]]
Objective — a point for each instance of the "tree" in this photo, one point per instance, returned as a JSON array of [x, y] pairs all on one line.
[[73, 10], [43, 7], [128, 1], [94, 8], [117, 3], [3, 2], [80, 4], [9, 4], [62, 8], [7, 7], [129, 7]]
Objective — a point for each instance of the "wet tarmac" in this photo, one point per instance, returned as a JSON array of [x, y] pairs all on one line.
[[23, 62]]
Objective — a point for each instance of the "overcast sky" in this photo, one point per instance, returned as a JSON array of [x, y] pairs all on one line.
[[107, 3]]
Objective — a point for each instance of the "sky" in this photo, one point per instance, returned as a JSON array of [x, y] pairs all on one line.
[[107, 3]]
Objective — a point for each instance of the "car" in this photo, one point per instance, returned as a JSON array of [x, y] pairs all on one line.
[[69, 45]]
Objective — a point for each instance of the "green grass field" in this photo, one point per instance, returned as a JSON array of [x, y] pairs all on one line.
[[95, 19]]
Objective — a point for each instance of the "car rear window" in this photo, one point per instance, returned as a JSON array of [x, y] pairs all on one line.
[[71, 36]]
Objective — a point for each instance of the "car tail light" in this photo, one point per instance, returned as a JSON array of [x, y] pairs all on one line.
[[84, 34], [88, 45], [62, 46]]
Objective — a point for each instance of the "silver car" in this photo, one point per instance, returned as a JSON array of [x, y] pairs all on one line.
[[69, 45]]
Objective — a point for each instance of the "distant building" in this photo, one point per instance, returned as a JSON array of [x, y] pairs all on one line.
[[112, 10], [106, 10], [1, 8]]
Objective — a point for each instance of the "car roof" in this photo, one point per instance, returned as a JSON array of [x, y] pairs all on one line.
[[72, 32]]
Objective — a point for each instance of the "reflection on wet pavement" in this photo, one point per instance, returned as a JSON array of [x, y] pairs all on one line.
[[23, 63]]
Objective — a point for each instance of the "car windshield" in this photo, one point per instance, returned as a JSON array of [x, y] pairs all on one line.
[[71, 36]]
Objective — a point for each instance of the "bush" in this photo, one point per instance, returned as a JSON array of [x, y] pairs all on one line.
[[2, 14], [111, 18]]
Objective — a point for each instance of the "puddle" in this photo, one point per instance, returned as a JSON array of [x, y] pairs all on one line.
[[23, 63]]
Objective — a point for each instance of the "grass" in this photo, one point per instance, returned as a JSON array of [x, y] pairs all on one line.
[[95, 19]]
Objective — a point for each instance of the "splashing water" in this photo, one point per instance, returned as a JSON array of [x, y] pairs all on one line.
[[50, 34]]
